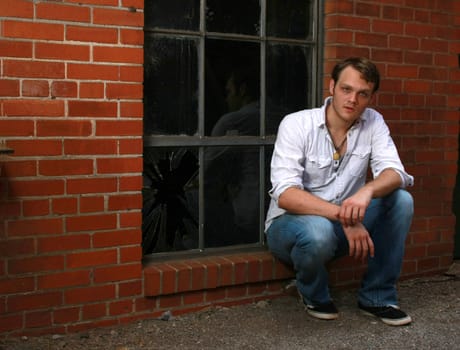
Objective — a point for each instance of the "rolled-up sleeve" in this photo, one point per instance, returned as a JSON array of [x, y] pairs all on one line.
[[385, 154], [288, 157]]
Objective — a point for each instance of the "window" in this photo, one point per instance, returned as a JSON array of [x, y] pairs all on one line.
[[218, 78]]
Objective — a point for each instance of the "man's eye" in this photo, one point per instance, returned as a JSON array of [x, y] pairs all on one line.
[[346, 89], [364, 94]]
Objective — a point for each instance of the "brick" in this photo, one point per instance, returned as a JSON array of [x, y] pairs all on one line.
[[91, 185], [119, 165], [92, 204], [35, 264], [89, 109], [33, 30], [90, 146], [131, 146], [92, 71], [20, 168], [9, 87], [62, 206], [64, 279], [117, 273], [121, 307], [130, 288], [13, 48], [17, 247], [116, 238], [118, 54], [90, 294], [92, 34], [17, 8], [36, 207], [64, 89], [28, 108], [114, 17], [132, 36], [36, 147], [66, 315], [95, 2], [17, 285], [385, 26], [42, 226], [91, 258], [119, 128], [124, 91], [11, 322], [63, 243], [35, 88], [130, 219], [132, 254], [62, 52], [132, 73], [13, 127], [63, 128], [33, 69], [61, 167], [38, 319], [91, 222], [92, 90], [125, 202], [61, 12]]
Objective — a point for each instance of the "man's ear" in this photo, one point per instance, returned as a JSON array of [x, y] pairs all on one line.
[[331, 86]]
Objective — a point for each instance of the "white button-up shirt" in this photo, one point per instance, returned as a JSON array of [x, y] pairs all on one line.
[[303, 157]]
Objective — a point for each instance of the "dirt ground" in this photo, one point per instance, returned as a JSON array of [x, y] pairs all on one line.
[[433, 303]]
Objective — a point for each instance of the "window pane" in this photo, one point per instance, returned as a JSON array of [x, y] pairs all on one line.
[[170, 200], [170, 86], [288, 77], [237, 16], [231, 196], [232, 88], [290, 18], [172, 14]]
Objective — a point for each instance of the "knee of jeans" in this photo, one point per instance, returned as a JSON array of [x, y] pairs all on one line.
[[404, 202], [320, 243]]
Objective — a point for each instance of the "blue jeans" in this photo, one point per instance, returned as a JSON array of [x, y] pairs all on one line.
[[308, 242]]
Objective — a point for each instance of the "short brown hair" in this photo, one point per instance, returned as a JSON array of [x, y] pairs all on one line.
[[368, 70]]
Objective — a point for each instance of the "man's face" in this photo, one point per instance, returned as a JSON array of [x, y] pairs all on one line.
[[351, 94], [234, 97]]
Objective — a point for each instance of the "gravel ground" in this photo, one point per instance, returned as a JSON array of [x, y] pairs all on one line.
[[433, 303]]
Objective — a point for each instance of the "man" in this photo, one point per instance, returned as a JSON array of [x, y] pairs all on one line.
[[321, 206]]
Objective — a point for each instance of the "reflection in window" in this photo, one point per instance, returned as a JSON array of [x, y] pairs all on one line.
[[236, 16], [290, 18], [173, 14], [170, 76], [288, 77], [231, 196], [232, 88]]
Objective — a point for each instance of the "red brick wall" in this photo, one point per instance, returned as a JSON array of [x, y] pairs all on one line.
[[70, 200], [416, 44], [71, 108]]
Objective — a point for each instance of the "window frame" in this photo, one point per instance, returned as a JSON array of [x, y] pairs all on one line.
[[201, 141]]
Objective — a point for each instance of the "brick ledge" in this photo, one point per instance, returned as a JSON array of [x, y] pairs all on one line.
[[201, 273]]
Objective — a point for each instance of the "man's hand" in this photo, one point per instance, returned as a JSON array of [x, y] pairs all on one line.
[[353, 209], [359, 241]]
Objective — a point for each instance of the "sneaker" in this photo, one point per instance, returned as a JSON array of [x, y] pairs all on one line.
[[323, 311], [391, 315]]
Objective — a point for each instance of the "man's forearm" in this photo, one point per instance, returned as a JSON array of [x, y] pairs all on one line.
[[297, 201]]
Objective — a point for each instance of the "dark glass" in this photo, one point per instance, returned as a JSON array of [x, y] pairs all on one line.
[[236, 16], [291, 19], [170, 199], [170, 86], [172, 14], [288, 77], [232, 88], [231, 196]]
